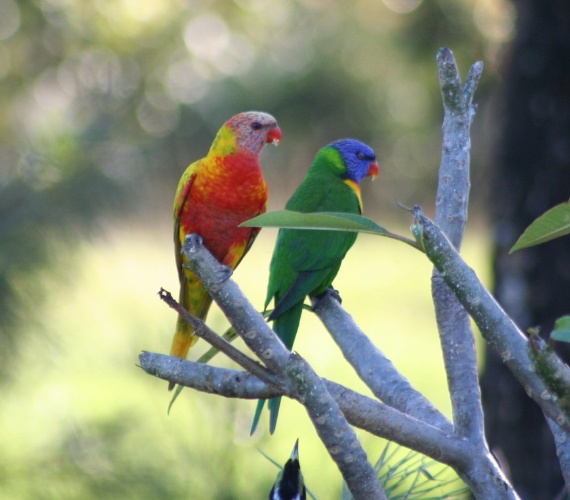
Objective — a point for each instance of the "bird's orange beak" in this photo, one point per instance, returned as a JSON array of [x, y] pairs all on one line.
[[274, 136], [373, 170]]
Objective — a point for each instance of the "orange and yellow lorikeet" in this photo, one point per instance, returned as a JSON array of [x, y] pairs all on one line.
[[305, 262], [214, 196]]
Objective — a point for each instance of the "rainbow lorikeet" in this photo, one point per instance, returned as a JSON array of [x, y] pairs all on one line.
[[305, 262], [289, 484], [214, 196]]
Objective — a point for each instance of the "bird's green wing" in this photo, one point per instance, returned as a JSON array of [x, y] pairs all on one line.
[[306, 261], [306, 283]]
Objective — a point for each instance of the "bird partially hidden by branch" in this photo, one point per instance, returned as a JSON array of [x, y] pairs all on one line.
[[214, 196], [289, 484], [305, 262]]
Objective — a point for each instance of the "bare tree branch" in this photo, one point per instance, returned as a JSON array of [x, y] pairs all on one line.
[[495, 325], [361, 411], [554, 373], [452, 196], [248, 322], [562, 449], [209, 379], [204, 332], [255, 332], [374, 368], [478, 471], [456, 337], [315, 399], [243, 316], [335, 432]]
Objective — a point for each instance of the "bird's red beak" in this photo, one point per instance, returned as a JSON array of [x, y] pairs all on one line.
[[373, 170], [274, 136]]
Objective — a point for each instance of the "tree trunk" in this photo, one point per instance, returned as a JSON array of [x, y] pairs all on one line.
[[531, 173]]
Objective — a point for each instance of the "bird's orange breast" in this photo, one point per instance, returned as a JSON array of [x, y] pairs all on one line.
[[226, 192]]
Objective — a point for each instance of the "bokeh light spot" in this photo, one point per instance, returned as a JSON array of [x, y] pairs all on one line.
[[157, 114], [402, 6], [10, 18], [495, 19], [407, 102], [5, 61], [207, 36], [184, 84]]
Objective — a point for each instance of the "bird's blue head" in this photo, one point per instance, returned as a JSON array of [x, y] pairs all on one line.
[[359, 159]]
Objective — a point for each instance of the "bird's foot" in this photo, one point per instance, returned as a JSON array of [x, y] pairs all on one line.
[[191, 242], [331, 292], [223, 273]]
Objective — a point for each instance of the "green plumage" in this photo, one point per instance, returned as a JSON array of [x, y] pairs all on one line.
[[305, 262]]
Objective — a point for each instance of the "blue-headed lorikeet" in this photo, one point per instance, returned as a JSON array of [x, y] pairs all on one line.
[[305, 262]]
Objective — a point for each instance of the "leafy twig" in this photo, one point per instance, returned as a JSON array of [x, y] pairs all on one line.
[[325, 221]]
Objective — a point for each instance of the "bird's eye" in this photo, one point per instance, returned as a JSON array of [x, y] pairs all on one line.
[[361, 156], [256, 125]]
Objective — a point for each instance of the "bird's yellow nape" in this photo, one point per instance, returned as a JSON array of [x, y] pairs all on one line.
[[356, 188]]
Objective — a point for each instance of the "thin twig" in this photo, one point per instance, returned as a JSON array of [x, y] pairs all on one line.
[[204, 332]]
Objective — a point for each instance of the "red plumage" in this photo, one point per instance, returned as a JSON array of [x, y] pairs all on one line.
[[215, 195]]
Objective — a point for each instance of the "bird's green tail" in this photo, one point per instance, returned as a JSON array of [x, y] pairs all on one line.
[[285, 326]]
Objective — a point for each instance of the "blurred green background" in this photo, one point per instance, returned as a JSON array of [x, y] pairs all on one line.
[[102, 106]]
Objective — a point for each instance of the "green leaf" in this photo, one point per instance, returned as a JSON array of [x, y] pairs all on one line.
[[551, 224], [561, 330], [328, 221], [323, 221], [562, 323]]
